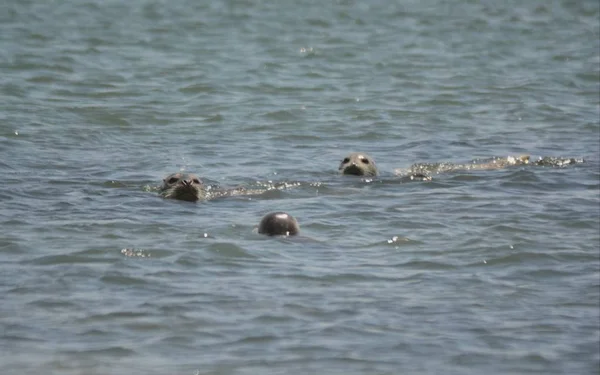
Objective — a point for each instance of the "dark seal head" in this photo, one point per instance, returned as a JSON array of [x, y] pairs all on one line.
[[183, 186], [358, 164], [278, 224]]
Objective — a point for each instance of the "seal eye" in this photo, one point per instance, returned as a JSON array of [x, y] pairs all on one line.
[[346, 160], [196, 181], [173, 180], [365, 160]]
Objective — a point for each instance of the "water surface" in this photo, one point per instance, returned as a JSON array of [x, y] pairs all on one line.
[[476, 271]]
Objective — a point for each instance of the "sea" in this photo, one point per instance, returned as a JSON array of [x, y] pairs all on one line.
[[477, 271]]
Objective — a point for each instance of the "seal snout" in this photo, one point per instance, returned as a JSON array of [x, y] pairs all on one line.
[[353, 169]]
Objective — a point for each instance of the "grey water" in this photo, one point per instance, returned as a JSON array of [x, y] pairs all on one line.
[[476, 271]]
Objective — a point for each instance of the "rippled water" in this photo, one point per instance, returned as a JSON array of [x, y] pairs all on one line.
[[493, 271]]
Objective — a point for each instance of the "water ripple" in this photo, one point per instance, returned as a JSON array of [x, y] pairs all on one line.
[[491, 271]]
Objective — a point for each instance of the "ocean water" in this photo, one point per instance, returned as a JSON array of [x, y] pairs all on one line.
[[476, 271]]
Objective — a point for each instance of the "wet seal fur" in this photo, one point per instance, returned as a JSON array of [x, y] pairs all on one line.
[[495, 163], [358, 164], [183, 186], [361, 164], [188, 187], [278, 224]]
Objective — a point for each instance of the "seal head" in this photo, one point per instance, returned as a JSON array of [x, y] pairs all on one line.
[[278, 224], [358, 164], [183, 186]]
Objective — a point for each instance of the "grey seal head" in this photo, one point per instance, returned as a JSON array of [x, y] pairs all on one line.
[[183, 186], [278, 224], [358, 164]]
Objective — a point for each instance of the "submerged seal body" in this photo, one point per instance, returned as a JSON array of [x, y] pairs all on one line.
[[358, 164], [435, 168], [183, 186], [499, 163], [188, 187], [278, 224], [361, 164]]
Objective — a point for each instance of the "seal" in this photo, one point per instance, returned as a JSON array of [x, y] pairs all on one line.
[[188, 187], [358, 164], [183, 186], [361, 164], [278, 224]]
